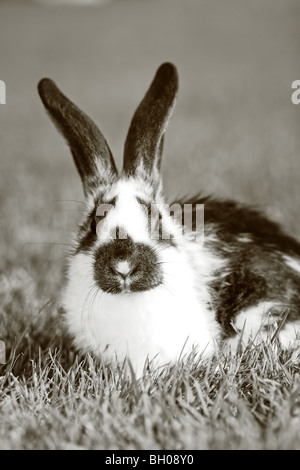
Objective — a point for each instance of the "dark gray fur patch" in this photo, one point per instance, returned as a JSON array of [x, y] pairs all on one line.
[[85, 140], [145, 268], [256, 270], [144, 142]]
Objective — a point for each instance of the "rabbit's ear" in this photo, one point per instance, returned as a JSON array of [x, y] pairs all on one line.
[[143, 146], [91, 153]]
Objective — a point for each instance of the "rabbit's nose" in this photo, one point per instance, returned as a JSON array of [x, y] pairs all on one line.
[[125, 269]]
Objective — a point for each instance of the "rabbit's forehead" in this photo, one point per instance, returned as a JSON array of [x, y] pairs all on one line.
[[124, 205], [130, 189]]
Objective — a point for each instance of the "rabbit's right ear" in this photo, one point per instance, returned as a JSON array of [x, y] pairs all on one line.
[[144, 142], [91, 153]]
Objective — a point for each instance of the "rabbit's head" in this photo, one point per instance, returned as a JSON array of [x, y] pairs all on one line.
[[128, 226]]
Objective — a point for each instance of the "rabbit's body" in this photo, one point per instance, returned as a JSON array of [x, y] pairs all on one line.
[[140, 326], [260, 281], [132, 294], [149, 323]]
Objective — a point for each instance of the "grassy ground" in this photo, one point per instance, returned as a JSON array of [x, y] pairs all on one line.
[[234, 134]]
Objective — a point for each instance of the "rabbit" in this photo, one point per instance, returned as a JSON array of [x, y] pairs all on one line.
[[154, 300]]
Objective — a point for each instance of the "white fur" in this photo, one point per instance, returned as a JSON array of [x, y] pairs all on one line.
[[244, 239], [127, 214], [292, 263], [259, 323], [123, 267], [163, 323]]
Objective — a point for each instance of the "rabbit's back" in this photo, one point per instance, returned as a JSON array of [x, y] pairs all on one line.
[[262, 264]]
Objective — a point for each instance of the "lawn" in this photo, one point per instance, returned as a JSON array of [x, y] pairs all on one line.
[[235, 133]]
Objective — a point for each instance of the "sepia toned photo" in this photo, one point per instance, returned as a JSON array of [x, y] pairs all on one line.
[[150, 228]]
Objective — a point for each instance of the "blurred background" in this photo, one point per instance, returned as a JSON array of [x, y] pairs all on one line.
[[234, 134]]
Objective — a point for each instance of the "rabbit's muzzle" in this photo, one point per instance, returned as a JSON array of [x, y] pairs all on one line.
[[124, 266]]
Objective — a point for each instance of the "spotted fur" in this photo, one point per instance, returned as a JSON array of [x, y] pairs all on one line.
[[141, 287]]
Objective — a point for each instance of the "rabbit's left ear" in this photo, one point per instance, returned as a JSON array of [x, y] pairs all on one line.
[[91, 153], [143, 146]]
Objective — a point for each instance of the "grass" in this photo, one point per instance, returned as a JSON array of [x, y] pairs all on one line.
[[234, 134], [246, 402], [51, 398]]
